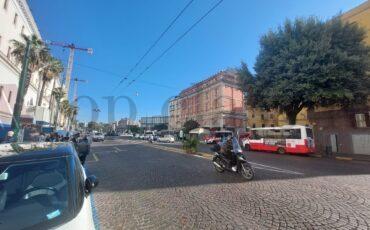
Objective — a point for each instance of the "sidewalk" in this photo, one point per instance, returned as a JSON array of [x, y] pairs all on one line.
[[345, 156]]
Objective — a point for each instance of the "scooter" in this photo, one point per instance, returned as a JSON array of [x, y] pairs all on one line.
[[242, 167]]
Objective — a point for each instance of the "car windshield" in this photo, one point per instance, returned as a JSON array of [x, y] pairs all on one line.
[[40, 188], [236, 146]]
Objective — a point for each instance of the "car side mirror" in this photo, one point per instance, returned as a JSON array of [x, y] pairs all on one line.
[[91, 182]]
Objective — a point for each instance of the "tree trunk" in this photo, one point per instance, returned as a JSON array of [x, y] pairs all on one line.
[[292, 116], [56, 115], [41, 93], [51, 103]]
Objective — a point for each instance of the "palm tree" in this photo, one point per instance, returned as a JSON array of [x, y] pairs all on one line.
[[58, 94], [38, 53], [66, 110], [53, 67], [74, 111]]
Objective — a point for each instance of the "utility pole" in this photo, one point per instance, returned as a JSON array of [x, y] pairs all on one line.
[[76, 80], [21, 91], [72, 49]]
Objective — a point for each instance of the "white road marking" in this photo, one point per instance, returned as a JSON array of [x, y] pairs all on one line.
[[199, 156], [95, 157], [274, 169], [117, 149]]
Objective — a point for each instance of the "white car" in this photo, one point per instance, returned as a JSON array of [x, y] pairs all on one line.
[[98, 137], [44, 186], [167, 139], [126, 135]]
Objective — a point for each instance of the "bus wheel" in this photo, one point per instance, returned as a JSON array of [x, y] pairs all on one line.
[[247, 147], [281, 150]]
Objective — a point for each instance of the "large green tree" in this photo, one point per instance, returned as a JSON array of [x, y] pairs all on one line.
[[307, 63], [189, 125]]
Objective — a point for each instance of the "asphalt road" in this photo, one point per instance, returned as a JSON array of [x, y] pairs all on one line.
[[144, 187]]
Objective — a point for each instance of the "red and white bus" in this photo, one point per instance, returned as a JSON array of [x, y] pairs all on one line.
[[285, 139]]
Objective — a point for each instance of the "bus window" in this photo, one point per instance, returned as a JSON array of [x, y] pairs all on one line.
[[309, 132], [291, 133]]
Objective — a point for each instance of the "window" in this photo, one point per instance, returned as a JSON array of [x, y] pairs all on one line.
[[263, 125], [9, 96], [252, 115], [272, 125], [292, 133], [254, 125], [1, 91], [360, 120], [0, 40], [15, 19], [22, 30], [6, 4], [262, 117], [309, 132]]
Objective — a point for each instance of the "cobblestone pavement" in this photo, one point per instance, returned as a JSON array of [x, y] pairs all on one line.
[[146, 188]]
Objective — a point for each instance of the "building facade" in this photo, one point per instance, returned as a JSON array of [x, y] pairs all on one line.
[[16, 20], [124, 123], [340, 130], [215, 103], [174, 122], [148, 123]]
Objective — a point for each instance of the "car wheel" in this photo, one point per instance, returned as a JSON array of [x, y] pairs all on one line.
[[280, 150]]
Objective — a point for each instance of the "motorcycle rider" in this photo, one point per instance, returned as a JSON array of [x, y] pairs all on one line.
[[226, 150]]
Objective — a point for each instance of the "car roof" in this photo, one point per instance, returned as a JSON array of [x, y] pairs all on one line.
[[34, 151]]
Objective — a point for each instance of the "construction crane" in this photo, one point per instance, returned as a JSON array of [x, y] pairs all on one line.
[[72, 49], [76, 80]]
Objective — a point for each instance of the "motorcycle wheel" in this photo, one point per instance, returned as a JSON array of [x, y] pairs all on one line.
[[218, 161], [247, 171]]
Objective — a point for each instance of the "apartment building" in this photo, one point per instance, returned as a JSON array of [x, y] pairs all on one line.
[[215, 103]]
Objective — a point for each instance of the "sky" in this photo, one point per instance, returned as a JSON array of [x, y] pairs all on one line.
[[121, 31]]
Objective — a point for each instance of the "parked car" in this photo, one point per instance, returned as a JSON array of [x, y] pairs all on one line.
[[217, 136], [167, 139], [97, 137], [126, 135], [44, 186]]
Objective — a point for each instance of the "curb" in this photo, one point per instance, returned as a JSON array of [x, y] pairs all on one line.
[[344, 158]]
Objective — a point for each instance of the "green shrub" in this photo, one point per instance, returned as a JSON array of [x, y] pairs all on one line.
[[190, 145]]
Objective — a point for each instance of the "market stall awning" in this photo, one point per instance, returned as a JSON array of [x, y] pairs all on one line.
[[199, 131]]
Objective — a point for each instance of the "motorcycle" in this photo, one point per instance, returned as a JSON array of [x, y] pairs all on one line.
[[221, 163]]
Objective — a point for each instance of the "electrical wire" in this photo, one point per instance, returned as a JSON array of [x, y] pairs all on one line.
[[175, 42], [155, 43]]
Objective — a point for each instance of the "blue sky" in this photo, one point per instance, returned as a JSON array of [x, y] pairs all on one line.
[[120, 31]]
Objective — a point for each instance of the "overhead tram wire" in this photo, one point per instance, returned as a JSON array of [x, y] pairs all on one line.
[[175, 42], [154, 44], [108, 72]]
